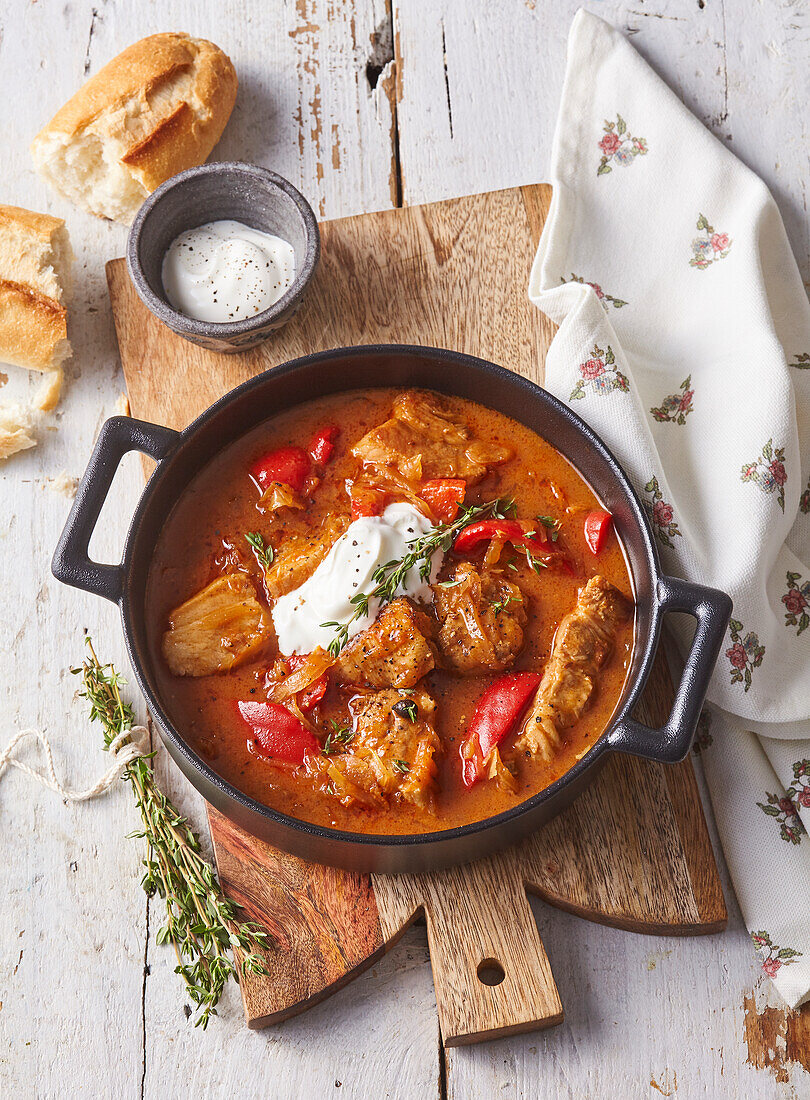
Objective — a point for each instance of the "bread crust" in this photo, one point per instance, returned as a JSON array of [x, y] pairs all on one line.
[[33, 318], [33, 328], [17, 218], [161, 138]]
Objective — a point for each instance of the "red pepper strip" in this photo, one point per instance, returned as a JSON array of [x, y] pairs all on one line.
[[597, 529], [366, 502], [289, 465], [495, 716], [322, 444], [511, 530], [316, 690], [277, 732], [444, 495]]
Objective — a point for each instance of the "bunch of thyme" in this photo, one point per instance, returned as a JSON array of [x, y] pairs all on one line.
[[391, 576], [202, 924]]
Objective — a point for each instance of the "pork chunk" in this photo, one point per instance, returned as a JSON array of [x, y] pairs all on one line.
[[583, 643], [391, 756], [395, 651], [422, 441], [481, 619], [221, 627], [297, 557]]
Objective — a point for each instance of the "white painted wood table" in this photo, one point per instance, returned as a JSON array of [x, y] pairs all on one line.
[[363, 105]]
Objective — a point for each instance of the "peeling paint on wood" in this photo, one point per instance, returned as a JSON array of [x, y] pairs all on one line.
[[668, 1085], [777, 1038]]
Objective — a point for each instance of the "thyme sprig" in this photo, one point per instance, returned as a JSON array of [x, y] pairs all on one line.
[[264, 551], [500, 605], [391, 576], [338, 735], [201, 923]]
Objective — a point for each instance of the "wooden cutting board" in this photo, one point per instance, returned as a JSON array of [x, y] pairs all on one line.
[[632, 851]]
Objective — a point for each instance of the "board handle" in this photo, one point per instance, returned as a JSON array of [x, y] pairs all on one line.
[[71, 560], [490, 970]]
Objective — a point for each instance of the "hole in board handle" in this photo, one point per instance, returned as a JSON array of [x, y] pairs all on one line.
[[490, 972]]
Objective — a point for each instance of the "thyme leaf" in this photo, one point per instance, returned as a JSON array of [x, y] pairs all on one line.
[[338, 735], [499, 605], [553, 526], [406, 708], [264, 551], [536, 563]]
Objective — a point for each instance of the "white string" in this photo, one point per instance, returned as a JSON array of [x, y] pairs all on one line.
[[124, 748]]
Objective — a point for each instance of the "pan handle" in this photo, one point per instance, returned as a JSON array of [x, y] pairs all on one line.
[[71, 561], [671, 743]]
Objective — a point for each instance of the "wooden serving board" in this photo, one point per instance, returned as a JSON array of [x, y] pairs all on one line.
[[632, 851]]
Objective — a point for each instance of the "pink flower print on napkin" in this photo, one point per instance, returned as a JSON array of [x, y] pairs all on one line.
[[710, 246], [773, 956], [618, 146], [797, 602], [604, 298], [745, 654], [675, 407], [600, 374], [768, 472]]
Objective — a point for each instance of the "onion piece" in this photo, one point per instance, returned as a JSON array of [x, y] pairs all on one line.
[[317, 663]]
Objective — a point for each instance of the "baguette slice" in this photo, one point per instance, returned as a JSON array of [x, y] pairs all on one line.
[[35, 259], [154, 110]]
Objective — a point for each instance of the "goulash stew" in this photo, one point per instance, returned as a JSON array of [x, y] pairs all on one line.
[[390, 612]]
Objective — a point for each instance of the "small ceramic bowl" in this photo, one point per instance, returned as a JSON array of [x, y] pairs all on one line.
[[228, 190]]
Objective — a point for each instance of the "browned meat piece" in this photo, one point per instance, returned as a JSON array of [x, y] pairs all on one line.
[[421, 441], [395, 651], [391, 755], [582, 644], [221, 627], [296, 558], [481, 618]]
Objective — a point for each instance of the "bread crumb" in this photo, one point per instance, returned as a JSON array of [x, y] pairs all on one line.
[[122, 405], [64, 483], [47, 395], [3, 378], [16, 425]]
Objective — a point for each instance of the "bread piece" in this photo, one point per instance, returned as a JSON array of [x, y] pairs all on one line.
[[16, 424], [35, 259], [47, 396], [154, 110]]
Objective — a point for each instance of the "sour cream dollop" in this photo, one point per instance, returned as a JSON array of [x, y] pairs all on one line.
[[346, 570], [225, 271]]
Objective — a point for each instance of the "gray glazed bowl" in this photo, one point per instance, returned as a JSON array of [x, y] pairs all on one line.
[[245, 193]]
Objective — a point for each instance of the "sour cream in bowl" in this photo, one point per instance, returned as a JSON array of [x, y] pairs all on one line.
[[225, 271], [224, 254]]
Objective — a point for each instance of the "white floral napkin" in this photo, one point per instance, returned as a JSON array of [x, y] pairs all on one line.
[[684, 341]]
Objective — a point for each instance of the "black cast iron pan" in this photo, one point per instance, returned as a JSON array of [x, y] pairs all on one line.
[[180, 455]]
